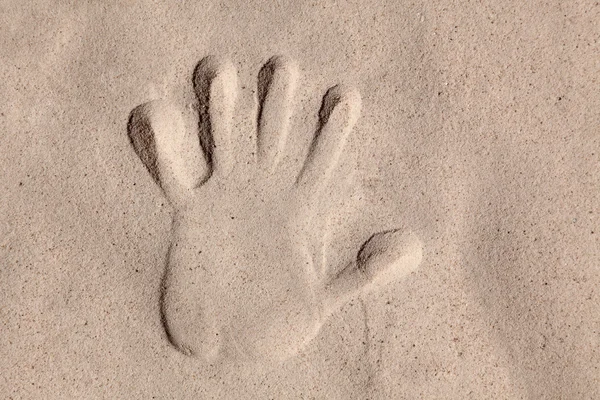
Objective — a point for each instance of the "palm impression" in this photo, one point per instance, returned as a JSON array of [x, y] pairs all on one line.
[[242, 280]]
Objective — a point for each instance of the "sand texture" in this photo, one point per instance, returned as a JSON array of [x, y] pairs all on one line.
[[300, 200]]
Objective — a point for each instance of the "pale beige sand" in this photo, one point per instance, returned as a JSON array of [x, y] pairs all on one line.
[[478, 132]]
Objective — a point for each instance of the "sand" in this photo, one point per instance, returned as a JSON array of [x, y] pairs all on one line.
[[297, 200]]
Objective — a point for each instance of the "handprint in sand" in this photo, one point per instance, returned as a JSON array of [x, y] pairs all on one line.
[[242, 279]]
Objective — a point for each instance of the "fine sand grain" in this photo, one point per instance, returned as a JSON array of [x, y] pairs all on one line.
[[300, 200]]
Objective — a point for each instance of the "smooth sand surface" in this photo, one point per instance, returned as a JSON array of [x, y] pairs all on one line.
[[479, 132]]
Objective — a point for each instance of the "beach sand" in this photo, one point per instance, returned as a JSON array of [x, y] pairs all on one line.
[[478, 132]]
